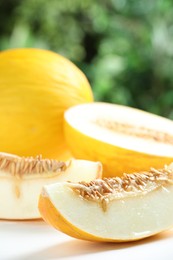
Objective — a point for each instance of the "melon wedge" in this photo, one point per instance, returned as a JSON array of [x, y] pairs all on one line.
[[124, 139], [22, 178], [111, 209]]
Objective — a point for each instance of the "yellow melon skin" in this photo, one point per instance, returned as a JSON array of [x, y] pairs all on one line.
[[116, 160], [36, 87]]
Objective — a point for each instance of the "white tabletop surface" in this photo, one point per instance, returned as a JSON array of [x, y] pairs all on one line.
[[30, 240]]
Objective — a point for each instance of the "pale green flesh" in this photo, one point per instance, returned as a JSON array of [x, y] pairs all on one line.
[[125, 219], [19, 196]]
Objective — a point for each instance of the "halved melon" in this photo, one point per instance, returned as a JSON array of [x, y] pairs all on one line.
[[111, 209], [21, 181], [124, 139]]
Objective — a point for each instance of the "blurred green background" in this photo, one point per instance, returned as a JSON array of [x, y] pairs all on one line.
[[125, 47]]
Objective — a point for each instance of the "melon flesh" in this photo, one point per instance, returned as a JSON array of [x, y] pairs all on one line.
[[129, 215], [122, 138], [19, 192]]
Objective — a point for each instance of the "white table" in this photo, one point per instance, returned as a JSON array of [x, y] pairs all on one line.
[[30, 240]]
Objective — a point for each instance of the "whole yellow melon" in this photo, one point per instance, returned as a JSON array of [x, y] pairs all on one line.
[[36, 87]]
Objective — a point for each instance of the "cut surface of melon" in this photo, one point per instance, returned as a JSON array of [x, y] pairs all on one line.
[[115, 209], [21, 181], [123, 138]]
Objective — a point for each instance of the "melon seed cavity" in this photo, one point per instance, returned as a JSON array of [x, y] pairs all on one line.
[[136, 131]]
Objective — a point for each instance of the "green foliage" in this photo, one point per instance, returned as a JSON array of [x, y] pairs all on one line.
[[125, 48]]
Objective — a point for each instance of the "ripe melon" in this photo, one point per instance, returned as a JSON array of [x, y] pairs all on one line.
[[22, 178], [123, 139], [111, 209], [36, 87]]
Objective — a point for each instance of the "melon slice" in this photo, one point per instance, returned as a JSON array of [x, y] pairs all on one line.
[[21, 181], [122, 138], [111, 209]]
